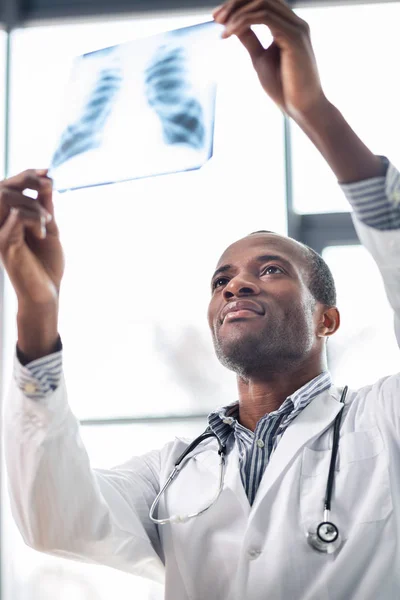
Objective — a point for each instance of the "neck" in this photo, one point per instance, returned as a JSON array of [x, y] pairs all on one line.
[[259, 396]]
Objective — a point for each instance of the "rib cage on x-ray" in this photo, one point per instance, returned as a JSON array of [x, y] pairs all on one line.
[[169, 93], [146, 108], [86, 133]]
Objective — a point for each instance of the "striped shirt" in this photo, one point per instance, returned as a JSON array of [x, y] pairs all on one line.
[[376, 202], [255, 448]]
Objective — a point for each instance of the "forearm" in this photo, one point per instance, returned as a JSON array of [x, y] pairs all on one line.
[[37, 330], [348, 157], [64, 507], [53, 498]]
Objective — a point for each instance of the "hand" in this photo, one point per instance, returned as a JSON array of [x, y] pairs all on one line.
[[30, 248], [287, 69]]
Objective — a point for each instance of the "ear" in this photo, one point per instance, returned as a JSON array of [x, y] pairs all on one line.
[[329, 322]]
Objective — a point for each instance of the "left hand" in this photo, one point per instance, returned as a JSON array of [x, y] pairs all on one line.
[[287, 69]]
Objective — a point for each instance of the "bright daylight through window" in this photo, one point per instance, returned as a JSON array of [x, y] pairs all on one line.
[[140, 254], [357, 74], [132, 301]]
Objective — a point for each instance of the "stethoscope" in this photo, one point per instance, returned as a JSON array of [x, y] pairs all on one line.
[[324, 537]]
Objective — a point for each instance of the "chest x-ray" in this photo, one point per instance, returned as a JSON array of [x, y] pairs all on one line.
[[139, 109]]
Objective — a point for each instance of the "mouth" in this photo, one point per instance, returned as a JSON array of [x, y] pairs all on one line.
[[240, 309]]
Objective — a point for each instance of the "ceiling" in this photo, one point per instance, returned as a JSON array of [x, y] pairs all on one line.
[[17, 13]]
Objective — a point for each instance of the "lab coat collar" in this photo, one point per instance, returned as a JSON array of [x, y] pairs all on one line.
[[314, 419]]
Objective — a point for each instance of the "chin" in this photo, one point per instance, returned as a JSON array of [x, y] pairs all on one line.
[[240, 333], [240, 352]]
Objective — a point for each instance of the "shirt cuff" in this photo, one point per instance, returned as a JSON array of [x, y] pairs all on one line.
[[40, 377], [376, 201]]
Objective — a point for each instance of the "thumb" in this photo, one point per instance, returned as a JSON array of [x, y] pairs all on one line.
[[46, 198], [45, 195], [252, 44]]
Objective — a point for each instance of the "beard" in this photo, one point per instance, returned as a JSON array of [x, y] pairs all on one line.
[[277, 347]]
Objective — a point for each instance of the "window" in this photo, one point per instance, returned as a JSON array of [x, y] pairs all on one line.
[[140, 254], [34, 576], [3, 42], [139, 260], [364, 348], [356, 61]]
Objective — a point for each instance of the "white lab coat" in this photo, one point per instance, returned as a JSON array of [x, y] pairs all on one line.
[[233, 551]]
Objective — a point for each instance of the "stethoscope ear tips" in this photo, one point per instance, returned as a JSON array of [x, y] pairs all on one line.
[[325, 537]]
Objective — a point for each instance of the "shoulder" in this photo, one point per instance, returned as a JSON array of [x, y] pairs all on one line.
[[379, 401]]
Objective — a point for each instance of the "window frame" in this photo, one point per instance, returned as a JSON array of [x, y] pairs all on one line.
[[313, 229]]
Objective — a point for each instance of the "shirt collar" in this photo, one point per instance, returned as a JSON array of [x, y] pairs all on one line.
[[223, 420], [311, 389]]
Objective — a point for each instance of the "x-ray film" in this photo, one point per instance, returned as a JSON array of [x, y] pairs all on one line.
[[139, 109]]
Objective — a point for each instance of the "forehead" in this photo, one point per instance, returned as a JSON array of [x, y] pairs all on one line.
[[251, 246]]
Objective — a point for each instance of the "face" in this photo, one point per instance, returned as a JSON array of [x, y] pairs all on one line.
[[261, 314]]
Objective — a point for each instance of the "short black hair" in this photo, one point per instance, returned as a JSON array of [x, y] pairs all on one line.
[[320, 279]]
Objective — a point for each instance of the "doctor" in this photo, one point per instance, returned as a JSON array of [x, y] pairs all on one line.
[[277, 528]]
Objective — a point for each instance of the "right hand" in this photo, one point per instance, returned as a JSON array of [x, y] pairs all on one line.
[[30, 247], [287, 69]]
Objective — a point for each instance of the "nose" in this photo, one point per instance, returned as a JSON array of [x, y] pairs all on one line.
[[240, 286]]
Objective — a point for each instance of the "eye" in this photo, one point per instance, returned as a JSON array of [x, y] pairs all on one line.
[[219, 282], [271, 270]]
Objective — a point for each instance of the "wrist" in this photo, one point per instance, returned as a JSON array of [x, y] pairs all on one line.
[[319, 116]]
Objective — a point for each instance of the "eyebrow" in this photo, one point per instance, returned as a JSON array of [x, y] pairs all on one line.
[[260, 259]]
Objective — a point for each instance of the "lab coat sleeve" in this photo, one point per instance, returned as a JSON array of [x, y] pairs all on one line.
[[384, 246], [64, 507], [376, 217]]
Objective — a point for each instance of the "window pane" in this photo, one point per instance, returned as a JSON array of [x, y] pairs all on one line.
[[30, 575], [357, 49], [110, 445], [3, 42], [364, 349], [140, 254]]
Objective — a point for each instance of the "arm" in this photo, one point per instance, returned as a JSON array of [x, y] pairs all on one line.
[[289, 75], [348, 157], [61, 505]]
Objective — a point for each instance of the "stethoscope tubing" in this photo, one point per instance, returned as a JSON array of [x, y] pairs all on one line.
[[335, 448], [314, 538]]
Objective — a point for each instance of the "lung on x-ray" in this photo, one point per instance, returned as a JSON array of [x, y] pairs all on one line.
[[139, 109]]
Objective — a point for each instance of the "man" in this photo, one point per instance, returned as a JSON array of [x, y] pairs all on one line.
[[271, 311]]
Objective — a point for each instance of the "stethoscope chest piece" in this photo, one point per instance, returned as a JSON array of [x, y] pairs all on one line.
[[325, 537]]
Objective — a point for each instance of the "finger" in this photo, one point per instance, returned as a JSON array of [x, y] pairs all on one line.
[[282, 9], [37, 180], [221, 12], [226, 10], [12, 198], [218, 10], [31, 221], [245, 21], [273, 21], [252, 44], [31, 178], [45, 199], [275, 11], [11, 234]]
